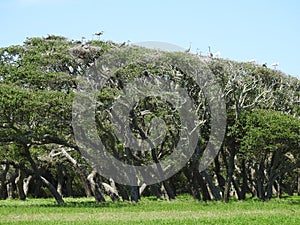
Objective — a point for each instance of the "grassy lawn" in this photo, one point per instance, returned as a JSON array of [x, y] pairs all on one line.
[[184, 210]]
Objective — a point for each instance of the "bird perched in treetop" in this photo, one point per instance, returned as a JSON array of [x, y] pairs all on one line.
[[189, 49], [275, 65], [99, 33]]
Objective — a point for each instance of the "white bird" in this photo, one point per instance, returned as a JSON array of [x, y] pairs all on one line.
[[252, 61], [275, 65], [198, 52], [210, 55], [217, 54]]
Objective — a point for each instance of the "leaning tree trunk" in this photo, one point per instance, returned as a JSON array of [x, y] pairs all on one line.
[[205, 192], [52, 189], [48, 185], [80, 171], [214, 190]]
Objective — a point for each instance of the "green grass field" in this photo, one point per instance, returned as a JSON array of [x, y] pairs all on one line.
[[183, 210]]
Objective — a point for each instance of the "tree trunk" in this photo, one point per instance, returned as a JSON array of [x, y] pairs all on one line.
[[69, 188], [244, 181], [236, 187], [229, 175], [123, 192], [220, 178], [169, 190], [134, 194], [298, 171], [85, 183], [260, 182], [3, 190], [205, 192], [60, 178], [142, 188], [19, 184], [155, 190], [214, 190], [52, 189], [95, 187], [80, 171], [11, 186], [26, 182], [195, 187]]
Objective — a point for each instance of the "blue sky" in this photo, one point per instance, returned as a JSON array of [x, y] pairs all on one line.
[[267, 30]]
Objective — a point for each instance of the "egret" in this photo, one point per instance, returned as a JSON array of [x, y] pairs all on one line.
[[217, 54], [198, 52], [210, 55], [275, 65], [252, 61]]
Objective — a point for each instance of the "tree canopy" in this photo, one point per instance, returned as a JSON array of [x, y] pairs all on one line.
[[38, 81]]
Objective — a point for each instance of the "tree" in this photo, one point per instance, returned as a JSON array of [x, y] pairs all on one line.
[[269, 142]]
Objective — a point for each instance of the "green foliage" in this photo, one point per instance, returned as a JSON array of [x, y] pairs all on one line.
[[38, 79], [265, 130]]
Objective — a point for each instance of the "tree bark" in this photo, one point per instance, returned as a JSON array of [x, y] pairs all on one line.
[[244, 181], [134, 194], [52, 189], [205, 192], [220, 178], [298, 172], [95, 187], [19, 184], [60, 178], [169, 190], [123, 192], [69, 188], [3, 190], [26, 182], [214, 190], [82, 173], [11, 186], [229, 175]]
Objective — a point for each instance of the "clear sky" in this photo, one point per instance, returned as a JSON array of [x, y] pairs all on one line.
[[267, 31]]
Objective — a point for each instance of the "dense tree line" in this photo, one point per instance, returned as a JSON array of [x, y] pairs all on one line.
[[39, 157]]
